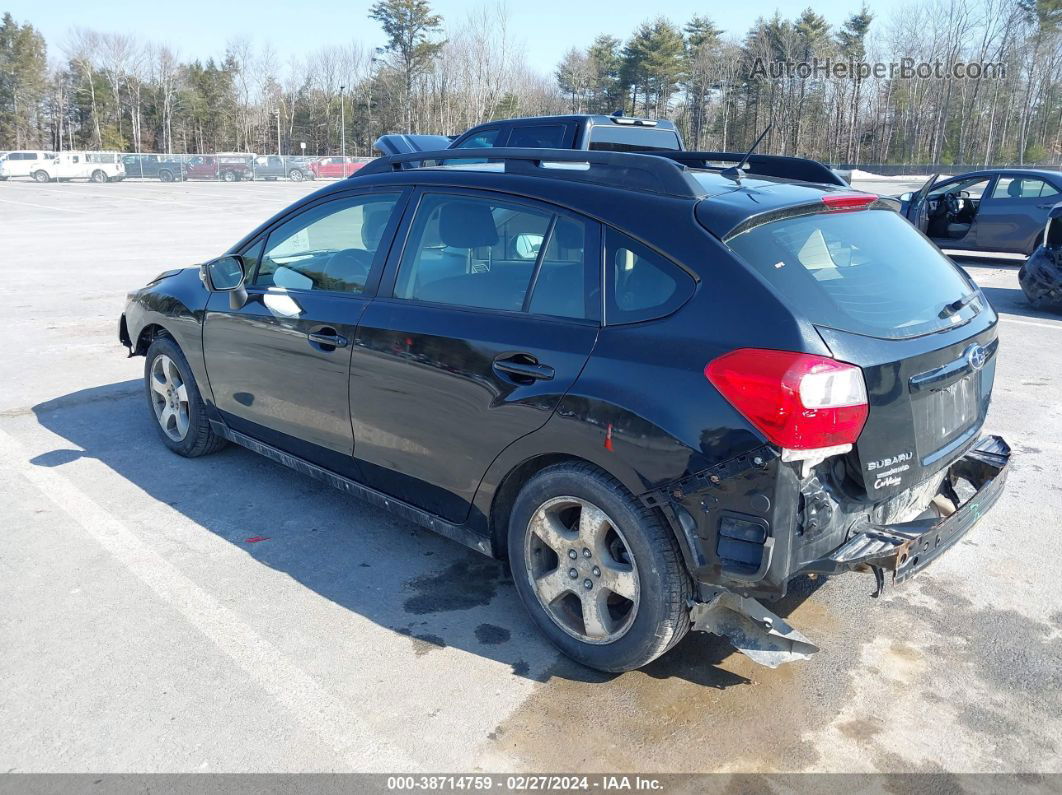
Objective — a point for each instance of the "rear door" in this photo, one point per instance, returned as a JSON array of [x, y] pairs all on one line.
[[279, 364], [1013, 215], [490, 313], [884, 299]]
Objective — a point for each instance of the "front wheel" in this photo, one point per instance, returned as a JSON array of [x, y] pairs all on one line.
[[599, 573], [180, 414], [41, 176], [295, 175], [98, 176], [229, 176]]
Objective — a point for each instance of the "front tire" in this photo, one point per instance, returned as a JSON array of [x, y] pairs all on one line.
[[600, 574], [229, 176], [295, 175], [175, 402], [98, 176], [41, 176]]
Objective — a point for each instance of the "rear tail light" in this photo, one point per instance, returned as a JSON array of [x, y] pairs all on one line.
[[798, 401]]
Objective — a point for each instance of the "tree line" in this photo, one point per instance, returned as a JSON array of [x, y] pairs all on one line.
[[101, 90]]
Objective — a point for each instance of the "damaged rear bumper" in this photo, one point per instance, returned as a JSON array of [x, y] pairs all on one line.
[[907, 548], [903, 549]]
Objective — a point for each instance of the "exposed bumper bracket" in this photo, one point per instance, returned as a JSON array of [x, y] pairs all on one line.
[[752, 629], [908, 547]]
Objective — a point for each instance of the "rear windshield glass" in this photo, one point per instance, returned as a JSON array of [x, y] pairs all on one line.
[[628, 138], [867, 272]]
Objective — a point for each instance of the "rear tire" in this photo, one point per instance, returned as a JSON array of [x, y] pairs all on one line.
[[295, 175], [175, 403], [98, 176], [627, 601], [228, 176], [41, 176], [166, 176]]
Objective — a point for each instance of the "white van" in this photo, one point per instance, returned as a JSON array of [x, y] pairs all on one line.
[[23, 163], [93, 166]]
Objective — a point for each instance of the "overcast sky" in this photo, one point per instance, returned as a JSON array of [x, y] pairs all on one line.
[[546, 28]]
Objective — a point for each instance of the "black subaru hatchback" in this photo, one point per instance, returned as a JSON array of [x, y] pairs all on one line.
[[659, 388]]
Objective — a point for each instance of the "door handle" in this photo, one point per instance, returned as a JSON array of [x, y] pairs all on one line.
[[523, 368], [328, 338]]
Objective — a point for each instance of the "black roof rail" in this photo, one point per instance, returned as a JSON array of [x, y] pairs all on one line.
[[628, 170], [798, 168]]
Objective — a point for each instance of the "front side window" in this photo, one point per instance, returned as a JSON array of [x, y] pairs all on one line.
[[642, 284], [491, 254], [973, 187], [331, 246], [481, 140]]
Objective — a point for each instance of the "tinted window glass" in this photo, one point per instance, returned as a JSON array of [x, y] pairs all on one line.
[[628, 138], [1021, 188], [541, 136], [868, 272], [641, 284], [481, 140], [566, 285], [328, 247], [471, 252]]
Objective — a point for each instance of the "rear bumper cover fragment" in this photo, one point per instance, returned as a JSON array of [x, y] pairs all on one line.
[[907, 548]]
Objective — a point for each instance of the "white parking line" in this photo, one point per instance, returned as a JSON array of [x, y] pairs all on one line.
[[1054, 326], [43, 206], [353, 740]]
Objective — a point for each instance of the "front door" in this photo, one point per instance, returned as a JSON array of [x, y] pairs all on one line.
[[492, 316], [279, 365]]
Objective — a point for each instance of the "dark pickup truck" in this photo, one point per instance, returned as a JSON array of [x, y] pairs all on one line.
[[614, 133], [276, 166]]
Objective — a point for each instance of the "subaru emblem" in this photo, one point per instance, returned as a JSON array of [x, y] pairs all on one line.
[[976, 355]]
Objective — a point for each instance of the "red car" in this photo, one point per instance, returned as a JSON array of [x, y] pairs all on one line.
[[335, 166]]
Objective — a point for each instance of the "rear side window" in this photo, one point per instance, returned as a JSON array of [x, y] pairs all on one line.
[[490, 254], [628, 138], [1022, 188], [867, 272], [539, 136], [641, 284]]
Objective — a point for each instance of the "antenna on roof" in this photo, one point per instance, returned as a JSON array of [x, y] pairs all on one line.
[[734, 172]]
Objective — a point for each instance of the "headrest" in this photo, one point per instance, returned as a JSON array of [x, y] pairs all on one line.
[[373, 222], [1014, 188], [465, 224]]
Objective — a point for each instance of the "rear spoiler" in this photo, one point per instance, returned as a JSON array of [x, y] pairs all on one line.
[[798, 168]]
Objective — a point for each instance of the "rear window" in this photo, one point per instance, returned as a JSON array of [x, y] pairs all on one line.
[[867, 272], [628, 138]]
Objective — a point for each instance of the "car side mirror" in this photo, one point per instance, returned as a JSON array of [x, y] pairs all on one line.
[[906, 197], [226, 275]]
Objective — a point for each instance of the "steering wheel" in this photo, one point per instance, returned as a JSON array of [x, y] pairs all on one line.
[[952, 203], [349, 265]]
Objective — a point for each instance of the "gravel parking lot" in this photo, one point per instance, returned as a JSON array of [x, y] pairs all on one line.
[[144, 630]]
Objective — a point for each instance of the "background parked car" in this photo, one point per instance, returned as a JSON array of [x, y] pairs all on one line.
[[24, 163], [224, 166], [93, 166], [148, 166], [276, 166], [335, 167], [1001, 210]]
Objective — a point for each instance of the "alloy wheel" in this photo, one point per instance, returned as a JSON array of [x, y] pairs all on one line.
[[169, 397], [581, 569]]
